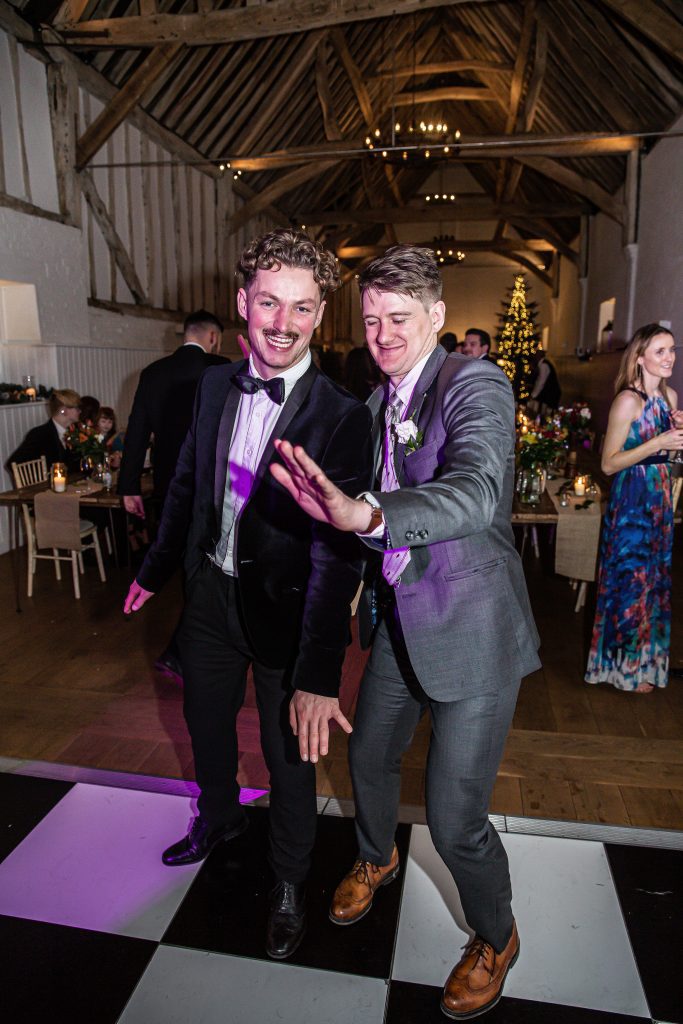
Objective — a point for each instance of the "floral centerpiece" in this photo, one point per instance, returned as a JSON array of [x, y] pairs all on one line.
[[575, 419], [85, 441], [538, 448]]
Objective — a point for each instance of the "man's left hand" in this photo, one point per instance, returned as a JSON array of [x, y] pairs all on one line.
[[309, 717], [315, 492]]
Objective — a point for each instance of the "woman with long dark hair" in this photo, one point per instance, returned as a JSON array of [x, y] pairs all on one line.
[[630, 645]]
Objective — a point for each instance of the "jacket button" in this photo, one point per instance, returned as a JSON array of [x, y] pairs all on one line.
[[409, 535]]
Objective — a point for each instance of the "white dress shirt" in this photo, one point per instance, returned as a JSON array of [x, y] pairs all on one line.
[[255, 421]]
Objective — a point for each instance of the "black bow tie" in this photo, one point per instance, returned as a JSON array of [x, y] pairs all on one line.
[[250, 385]]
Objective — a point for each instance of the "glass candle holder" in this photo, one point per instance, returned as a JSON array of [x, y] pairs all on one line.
[[58, 477]]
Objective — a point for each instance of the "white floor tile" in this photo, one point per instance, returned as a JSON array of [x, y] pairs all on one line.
[[182, 985], [95, 862], [574, 946]]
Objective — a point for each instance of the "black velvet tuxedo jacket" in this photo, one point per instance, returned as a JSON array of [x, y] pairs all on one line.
[[43, 440], [297, 577], [162, 406]]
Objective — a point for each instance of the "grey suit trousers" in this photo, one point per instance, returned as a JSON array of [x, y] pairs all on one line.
[[466, 745]]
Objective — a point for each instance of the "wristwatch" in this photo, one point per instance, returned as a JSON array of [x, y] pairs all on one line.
[[376, 514]]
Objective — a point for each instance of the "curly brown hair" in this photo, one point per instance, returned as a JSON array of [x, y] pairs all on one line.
[[287, 248]]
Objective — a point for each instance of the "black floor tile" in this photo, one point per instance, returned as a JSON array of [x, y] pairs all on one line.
[[408, 1004], [649, 884], [24, 801], [52, 973], [226, 909]]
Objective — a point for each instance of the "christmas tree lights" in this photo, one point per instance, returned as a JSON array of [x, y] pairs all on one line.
[[518, 338]]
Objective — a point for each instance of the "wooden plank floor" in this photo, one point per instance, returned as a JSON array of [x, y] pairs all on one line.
[[77, 687]]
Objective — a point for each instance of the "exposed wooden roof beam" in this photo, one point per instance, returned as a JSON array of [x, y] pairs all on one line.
[[123, 102], [468, 148], [547, 233], [516, 86], [530, 266], [576, 183], [358, 252], [443, 67], [654, 22], [487, 210], [280, 17], [322, 84], [447, 93], [285, 184], [70, 11], [111, 237]]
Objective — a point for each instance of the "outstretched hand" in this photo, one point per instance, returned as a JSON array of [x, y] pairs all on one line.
[[315, 492], [309, 717]]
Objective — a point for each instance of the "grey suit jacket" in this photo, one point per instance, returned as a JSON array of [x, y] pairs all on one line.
[[462, 599]]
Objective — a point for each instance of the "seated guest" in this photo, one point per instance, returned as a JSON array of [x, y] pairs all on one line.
[[90, 408], [113, 441], [477, 343], [48, 439]]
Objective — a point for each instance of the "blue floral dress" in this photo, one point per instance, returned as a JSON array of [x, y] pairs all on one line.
[[632, 628]]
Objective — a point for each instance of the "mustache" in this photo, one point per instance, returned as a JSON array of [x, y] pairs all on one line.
[[281, 334]]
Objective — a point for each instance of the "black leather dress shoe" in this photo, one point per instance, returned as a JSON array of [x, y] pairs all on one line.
[[286, 920], [199, 842], [169, 665]]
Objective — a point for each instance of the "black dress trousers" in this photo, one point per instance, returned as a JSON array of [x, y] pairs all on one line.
[[216, 654]]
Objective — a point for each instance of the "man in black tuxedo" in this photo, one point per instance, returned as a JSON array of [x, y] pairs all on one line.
[[266, 585], [47, 439], [163, 406]]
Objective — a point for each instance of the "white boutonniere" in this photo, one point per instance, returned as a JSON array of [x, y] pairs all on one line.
[[407, 434]]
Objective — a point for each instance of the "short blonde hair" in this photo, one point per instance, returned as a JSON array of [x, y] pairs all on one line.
[[63, 398]]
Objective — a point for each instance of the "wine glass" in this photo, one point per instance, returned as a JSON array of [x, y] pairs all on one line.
[[87, 466]]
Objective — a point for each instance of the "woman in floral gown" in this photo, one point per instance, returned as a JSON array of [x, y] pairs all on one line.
[[630, 645]]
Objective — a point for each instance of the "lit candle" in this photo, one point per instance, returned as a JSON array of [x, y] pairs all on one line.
[[59, 482], [31, 394], [580, 486]]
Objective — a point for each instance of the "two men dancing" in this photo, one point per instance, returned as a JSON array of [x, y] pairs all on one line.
[[275, 545]]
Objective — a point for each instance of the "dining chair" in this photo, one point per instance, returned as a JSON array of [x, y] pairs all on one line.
[[26, 474]]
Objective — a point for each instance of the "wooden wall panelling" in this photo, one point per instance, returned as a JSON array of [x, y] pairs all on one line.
[[25, 181], [165, 228], [136, 220], [109, 197], [170, 252], [177, 237], [185, 268], [146, 149]]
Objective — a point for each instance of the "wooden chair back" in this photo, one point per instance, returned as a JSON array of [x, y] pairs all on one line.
[[27, 473]]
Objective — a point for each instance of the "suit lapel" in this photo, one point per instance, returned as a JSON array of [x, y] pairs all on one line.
[[377, 404], [225, 429], [418, 404]]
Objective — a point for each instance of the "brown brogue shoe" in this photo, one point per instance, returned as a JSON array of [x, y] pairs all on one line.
[[476, 983], [353, 897]]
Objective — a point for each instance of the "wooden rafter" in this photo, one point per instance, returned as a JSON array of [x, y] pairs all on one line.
[[322, 84], [123, 102], [443, 67], [470, 148], [565, 176], [358, 252], [112, 238], [485, 210], [70, 11], [280, 17], [281, 187], [454, 93], [654, 22], [516, 86], [546, 232]]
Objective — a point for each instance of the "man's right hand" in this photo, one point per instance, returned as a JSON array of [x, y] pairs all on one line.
[[136, 597], [133, 505]]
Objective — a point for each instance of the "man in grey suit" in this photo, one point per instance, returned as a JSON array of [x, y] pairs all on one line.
[[453, 627]]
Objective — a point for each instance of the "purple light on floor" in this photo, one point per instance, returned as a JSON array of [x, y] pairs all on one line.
[[247, 796]]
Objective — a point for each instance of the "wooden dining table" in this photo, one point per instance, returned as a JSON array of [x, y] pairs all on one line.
[[90, 495]]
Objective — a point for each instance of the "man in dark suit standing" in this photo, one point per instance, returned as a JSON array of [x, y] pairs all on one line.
[[454, 632], [266, 585], [47, 439], [163, 406]]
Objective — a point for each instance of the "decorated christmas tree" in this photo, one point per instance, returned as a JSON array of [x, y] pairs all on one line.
[[518, 338]]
